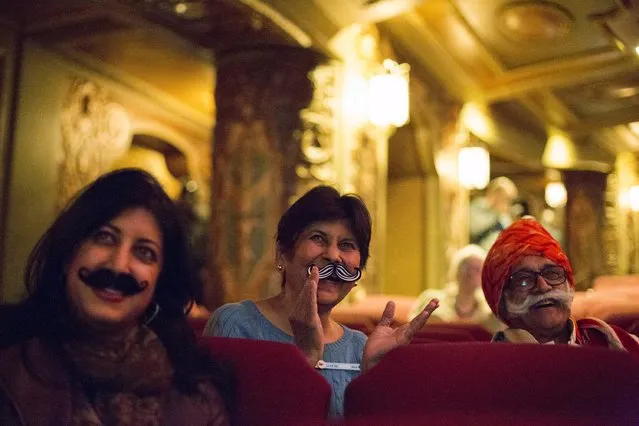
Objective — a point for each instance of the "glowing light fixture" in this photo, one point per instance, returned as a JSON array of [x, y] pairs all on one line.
[[633, 198], [180, 8], [355, 100], [556, 194], [476, 119], [388, 95], [473, 168], [559, 152], [624, 199]]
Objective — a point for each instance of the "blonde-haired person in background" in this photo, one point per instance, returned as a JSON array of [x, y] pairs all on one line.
[[462, 300], [492, 213]]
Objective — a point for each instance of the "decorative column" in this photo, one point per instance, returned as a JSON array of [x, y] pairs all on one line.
[[260, 97], [621, 226], [584, 225]]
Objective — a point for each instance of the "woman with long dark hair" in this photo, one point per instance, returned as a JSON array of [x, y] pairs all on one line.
[[102, 337]]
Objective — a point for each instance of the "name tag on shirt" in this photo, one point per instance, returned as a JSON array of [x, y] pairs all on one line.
[[323, 365]]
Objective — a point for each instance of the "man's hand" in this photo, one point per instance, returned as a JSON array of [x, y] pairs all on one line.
[[384, 338], [308, 333]]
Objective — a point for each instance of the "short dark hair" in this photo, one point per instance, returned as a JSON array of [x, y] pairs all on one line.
[[324, 204]]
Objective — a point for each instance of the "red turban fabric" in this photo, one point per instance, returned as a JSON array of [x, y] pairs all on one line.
[[526, 237]]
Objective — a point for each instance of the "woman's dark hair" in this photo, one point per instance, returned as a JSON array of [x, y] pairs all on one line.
[[46, 312], [325, 204]]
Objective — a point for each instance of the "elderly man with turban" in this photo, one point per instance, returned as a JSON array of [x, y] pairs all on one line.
[[528, 283]]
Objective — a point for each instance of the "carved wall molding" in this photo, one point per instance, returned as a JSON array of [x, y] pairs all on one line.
[[260, 96], [616, 256], [437, 135], [584, 225], [317, 137], [621, 228], [95, 131]]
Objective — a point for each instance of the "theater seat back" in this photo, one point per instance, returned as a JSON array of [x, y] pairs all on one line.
[[502, 380], [274, 383]]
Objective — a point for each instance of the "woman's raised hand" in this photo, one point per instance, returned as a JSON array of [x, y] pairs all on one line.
[[305, 321], [385, 338]]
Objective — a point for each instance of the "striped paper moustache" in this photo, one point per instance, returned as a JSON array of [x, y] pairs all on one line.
[[337, 272]]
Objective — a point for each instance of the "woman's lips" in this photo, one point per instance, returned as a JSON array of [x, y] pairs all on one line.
[[108, 295]]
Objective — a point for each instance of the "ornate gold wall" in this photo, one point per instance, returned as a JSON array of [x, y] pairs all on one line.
[[72, 123], [584, 225], [621, 231], [285, 125]]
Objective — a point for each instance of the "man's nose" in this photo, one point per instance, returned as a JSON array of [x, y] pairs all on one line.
[[542, 285]]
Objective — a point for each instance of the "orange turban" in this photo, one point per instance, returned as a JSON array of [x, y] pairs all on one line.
[[526, 237]]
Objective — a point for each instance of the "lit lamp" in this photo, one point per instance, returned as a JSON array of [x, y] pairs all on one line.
[[624, 199], [473, 167], [388, 95], [559, 152], [633, 198], [556, 194]]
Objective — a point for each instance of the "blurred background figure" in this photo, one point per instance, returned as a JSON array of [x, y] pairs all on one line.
[[520, 208], [492, 213], [462, 300]]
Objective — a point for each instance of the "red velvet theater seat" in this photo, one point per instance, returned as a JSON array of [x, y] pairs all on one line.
[[474, 418], [628, 322], [274, 383], [499, 380], [197, 325], [477, 332], [442, 335]]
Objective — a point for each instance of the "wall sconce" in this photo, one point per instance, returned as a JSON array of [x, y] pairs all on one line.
[[556, 194], [473, 167], [388, 95], [559, 152]]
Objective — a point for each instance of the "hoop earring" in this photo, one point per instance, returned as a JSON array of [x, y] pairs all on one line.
[[154, 313]]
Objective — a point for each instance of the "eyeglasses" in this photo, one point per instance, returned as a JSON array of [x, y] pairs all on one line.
[[525, 280]]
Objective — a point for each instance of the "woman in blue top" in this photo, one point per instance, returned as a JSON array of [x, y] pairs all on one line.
[[322, 245]]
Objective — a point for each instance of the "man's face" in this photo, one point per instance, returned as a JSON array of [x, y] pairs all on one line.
[[538, 297]]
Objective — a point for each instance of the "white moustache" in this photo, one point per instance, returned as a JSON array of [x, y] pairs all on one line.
[[563, 297]]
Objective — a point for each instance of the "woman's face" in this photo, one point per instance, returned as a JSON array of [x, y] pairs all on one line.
[[131, 243], [319, 244]]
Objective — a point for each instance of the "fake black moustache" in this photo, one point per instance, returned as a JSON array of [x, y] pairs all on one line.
[[105, 278], [337, 272]]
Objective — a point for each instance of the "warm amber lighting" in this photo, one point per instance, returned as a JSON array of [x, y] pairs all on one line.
[[633, 198], [634, 127], [476, 119], [624, 199], [559, 152], [180, 8], [355, 99], [473, 168], [388, 95], [556, 194]]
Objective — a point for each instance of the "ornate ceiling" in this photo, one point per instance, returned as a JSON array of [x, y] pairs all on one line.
[[565, 64]]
